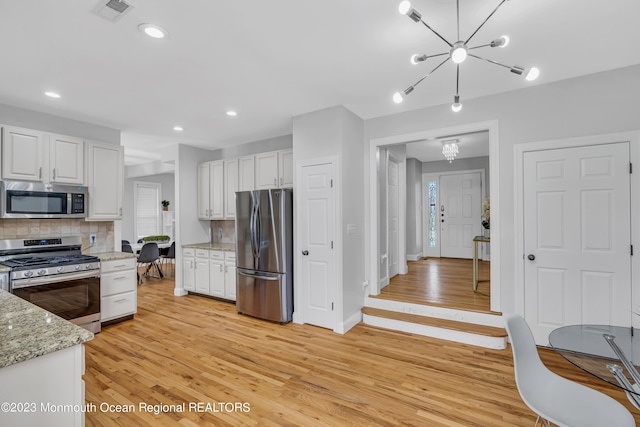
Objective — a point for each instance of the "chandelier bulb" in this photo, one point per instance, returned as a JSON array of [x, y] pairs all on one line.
[[397, 98], [415, 58], [458, 52], [531, 73], [404, 7], [456, 106], [501, 41]]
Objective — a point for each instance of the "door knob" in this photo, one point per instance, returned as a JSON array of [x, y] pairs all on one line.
[[305, 253], [531, 257]]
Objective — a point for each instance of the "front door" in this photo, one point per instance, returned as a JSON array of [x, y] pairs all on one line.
[[577, 219], [317, 219], [460, 211]]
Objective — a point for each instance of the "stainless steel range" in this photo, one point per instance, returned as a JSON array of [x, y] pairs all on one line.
[[52, 273]]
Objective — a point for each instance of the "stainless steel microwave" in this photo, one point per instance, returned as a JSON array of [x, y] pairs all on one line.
[[38, 200]]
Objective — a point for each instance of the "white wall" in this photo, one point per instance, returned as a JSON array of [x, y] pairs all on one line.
[[336, 131], [595, 104], [128, 214], [189, 229]]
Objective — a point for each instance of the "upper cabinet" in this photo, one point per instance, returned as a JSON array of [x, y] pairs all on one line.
[[105, 179], [246, 173], [230, 188], [210, 190], [30, 155], [274, 169], [67, 159], [22, 154]]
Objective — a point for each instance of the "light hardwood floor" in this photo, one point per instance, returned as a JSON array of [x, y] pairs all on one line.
[[181, 350], [447, 282]]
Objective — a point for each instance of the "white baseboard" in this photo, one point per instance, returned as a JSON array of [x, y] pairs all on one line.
[[415, 257], [353, 320], [180, 292]]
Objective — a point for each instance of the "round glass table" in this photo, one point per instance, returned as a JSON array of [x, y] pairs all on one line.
[[610, 353]]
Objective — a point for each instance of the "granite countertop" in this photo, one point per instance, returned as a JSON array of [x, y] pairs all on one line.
[[4, 269], [111, 256], [28, 331], [216, 246]]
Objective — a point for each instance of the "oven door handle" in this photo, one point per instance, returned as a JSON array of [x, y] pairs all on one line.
[[27, 283]]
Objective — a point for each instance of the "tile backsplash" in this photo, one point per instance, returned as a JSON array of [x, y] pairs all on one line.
[[223, 231], [39, 228]]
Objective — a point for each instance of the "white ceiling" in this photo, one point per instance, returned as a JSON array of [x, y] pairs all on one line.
[[273, 60]]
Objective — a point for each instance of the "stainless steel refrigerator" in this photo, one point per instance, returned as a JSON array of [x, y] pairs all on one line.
[[264, 254]]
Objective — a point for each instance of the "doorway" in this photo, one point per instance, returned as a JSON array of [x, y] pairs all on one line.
[[376, 256]]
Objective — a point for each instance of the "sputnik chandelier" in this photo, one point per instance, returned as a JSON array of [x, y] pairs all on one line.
[[458, 52]]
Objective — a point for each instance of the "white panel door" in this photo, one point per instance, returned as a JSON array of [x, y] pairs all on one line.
[[393, 216], [285, 169], [577, 218], [460, 211], [216, 279], [317, 220]]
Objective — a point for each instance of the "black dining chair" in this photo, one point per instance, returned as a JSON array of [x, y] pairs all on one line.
[[127, 248], [149, 256], [169, 257]]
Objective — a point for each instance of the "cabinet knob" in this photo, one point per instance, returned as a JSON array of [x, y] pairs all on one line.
[[275, 182]]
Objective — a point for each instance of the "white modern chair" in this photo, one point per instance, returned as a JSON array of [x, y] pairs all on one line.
[[556, 399]]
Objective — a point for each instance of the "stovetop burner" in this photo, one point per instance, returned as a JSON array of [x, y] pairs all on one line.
[[53, 261]]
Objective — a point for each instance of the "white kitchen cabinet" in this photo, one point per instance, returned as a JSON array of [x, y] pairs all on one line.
[[202, 271], [246, 173], [230, 276], [105, 178], [66, 155], [203, 191], [30, 155], [189, 269], [216, 277], [211, 190], [285, 169], [22, 154], [230, 188], [118, 289], [266, 170], [274, 169]]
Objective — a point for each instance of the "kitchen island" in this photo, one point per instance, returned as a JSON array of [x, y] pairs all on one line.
[[41, 366]]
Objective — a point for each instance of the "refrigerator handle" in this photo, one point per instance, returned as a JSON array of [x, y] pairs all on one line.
[[256, 276]]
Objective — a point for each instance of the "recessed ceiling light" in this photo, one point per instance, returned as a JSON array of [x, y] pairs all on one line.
[[52, 94], [231, 113], [153, 31], [178, 128]]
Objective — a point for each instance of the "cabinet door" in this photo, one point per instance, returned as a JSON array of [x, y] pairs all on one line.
[[266, 170], [202, 275], [246, 173], [22, 154], [230, 281], [216, 190], [285, 169], [188, 274], [67, 159], [105, 167], [216, 279], [230, 188], [203, 191]]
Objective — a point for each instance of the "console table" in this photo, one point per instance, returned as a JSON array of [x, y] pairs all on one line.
[[476, 240]]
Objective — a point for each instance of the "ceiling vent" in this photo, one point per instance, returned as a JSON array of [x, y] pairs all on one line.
[[112, 10]]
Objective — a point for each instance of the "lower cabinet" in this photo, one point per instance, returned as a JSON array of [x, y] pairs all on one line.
[[210, 272], [118, 289]]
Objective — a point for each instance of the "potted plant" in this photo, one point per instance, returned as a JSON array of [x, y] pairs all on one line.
[[159, 239], [165, 205], [486, 216]]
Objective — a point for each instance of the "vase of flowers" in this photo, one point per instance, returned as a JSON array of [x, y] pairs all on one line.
[[486, 216]]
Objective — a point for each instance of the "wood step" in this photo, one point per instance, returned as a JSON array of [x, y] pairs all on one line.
[[471, 328]]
